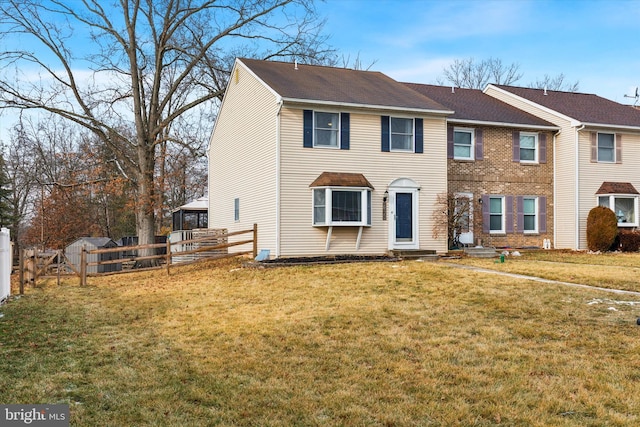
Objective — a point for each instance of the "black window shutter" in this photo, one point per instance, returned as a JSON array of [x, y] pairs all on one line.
[[419, 135], [308, 129], [344, 131], [542, 142], [384, 122], [449, 142]]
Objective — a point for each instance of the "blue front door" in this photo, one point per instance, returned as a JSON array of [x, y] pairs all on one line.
[[404, 216]]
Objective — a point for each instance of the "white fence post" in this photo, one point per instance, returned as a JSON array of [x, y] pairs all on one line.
[[5, 264]]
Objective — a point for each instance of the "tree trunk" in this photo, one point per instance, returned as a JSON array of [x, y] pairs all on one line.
[[145, 212]]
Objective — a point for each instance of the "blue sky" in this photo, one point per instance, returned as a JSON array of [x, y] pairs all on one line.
[[593, 42], [596, 43]]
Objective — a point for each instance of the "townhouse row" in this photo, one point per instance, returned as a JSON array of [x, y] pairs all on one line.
[[336, 161]]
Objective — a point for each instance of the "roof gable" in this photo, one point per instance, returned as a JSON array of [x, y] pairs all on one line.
[[474, 105], [583, 107], [299, 82]]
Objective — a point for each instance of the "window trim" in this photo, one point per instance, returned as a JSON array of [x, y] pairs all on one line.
[[612, 202], [365, 206], [472, 147], [536, 215], [536, 148], [411, 149], [315, 128], [503, 215], [613, 149]]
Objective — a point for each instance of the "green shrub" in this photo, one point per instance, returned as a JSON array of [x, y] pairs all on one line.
[[602, 229], [629, 241]]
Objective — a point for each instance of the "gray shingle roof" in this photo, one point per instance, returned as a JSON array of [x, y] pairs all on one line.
[[584, 107], [474, 105], [339, 85]]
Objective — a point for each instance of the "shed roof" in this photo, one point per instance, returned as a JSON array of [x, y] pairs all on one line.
[[341, 179], [98, 242], [617, 188], [309, 83], [584, 107], [475, 106]]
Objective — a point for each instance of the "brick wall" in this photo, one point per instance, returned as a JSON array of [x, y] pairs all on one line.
[[498, 174]]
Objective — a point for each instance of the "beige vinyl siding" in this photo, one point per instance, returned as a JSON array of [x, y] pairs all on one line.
[[592, 175], [242, 160], [301, 166]]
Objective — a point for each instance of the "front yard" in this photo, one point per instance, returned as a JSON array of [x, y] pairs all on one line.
[[401, 343]]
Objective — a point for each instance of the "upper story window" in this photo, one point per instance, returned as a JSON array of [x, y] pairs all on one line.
[[402, 134], [324, 129], [606, 147], [463, 144], [528, 147]]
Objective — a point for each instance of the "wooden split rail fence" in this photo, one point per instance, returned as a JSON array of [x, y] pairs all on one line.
[[33, 265]]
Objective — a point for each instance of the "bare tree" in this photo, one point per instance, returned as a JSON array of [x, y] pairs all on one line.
[[452, 215], [127, 70], [467, 73], [555, 83]]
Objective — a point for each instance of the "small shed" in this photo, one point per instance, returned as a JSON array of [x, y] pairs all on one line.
[[192, 216], [74, 250]]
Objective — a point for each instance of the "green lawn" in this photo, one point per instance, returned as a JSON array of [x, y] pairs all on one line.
[[365, 344]]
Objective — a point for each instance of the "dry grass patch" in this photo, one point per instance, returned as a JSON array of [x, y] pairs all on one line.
[[611, 270], [354, 344]]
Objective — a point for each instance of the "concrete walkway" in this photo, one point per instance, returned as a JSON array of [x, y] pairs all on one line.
[[540, 279]]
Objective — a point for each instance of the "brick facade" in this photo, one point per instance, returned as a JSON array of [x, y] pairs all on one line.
[[497, 174]]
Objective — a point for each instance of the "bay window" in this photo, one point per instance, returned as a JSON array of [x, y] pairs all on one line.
[[341, 206], [624, 206]]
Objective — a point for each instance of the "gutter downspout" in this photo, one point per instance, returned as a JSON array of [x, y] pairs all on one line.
[[555, 179], [279, 102], [577, 201]]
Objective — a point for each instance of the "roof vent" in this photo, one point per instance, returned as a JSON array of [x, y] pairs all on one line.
[[453, 89], [295, 64], [545, 90]]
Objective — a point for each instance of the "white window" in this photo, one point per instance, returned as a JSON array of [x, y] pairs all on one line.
[[528, 147], [606, 147], [463, 142], [496, 215], [530, 214], [326, 129], [401, 134], [341, 206], [624, 206]]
